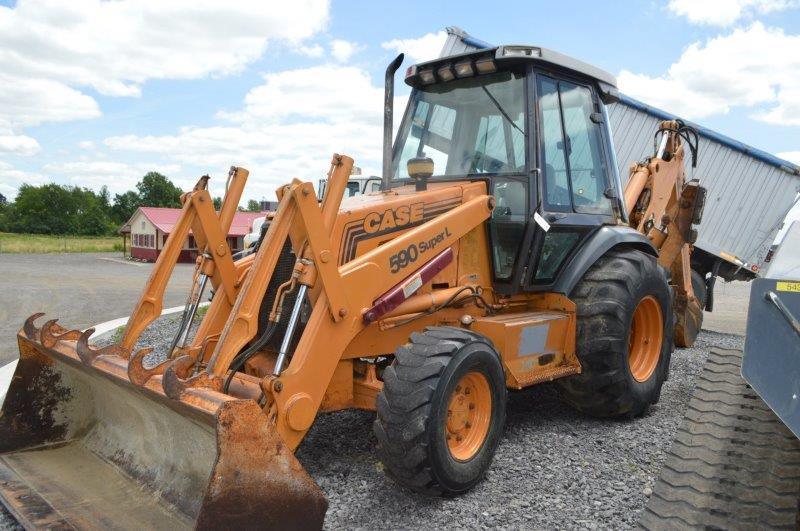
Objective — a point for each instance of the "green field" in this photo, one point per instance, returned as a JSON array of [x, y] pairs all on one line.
[[41, 243]]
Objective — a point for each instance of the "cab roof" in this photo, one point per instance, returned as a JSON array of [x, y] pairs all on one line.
[[513, 53]]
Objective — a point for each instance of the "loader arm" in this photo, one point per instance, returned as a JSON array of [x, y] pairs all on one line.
[[91, 437], [294, 396], [210, 232]]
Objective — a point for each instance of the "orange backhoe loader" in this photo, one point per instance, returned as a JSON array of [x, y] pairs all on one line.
[[499, 254]]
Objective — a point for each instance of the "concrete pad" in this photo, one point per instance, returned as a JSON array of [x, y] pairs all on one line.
[[730, 308], [79, 289]]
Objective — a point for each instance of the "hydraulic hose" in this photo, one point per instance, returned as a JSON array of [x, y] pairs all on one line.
[[245, 355]]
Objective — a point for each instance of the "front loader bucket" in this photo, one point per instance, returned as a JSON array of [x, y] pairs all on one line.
[[83, 447]]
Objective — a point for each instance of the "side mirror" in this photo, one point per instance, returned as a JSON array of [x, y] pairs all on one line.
[[420, 169]]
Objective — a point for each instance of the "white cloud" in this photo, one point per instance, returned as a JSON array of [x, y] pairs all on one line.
[[18, 144], [314, 51], [86, 144], [50, 50], [342, 50], [12, 178], [30, 101], [755, 67], [421, 49], [117, 176], [791, 156], [289, 126], [725, 12], [787, 112], [114, 47], [331, 93]]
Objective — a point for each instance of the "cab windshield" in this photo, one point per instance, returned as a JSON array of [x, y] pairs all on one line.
[[472, 126]]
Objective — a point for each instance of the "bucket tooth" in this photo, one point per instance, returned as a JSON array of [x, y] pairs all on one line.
[[138, 374], [176, 379], [51, 333], [88, 354], [30, 330]]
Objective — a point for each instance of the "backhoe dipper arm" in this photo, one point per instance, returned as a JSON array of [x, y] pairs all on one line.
[[663, 206]]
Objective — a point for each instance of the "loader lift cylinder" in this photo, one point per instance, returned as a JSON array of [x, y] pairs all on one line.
[[183, 333], [287, 338]]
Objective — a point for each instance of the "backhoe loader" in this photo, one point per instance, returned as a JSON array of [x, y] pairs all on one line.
[[498, 254]]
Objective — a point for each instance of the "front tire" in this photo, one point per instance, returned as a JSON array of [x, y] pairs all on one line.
[[441, 411], [624, 336]]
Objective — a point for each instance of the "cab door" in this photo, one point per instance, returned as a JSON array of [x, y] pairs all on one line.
[[574, 181]]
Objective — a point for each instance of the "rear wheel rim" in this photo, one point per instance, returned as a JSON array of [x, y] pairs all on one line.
[[645, 339], [469, 414]]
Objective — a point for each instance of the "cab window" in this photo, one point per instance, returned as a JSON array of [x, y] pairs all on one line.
[[507, 227], [471, 126], [573, 165]]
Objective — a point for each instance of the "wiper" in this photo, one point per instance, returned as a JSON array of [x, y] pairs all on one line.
[[502, 111]]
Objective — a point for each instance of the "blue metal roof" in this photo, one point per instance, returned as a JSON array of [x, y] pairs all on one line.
[[727, 141]]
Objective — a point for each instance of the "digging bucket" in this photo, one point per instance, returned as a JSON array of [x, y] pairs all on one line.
[[83, 447]]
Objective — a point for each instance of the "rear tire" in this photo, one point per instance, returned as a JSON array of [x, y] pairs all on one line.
[[624, 305], [441, 411]]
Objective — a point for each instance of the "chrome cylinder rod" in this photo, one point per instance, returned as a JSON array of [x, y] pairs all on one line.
[[193, 305], [287, 338], [662, 148]]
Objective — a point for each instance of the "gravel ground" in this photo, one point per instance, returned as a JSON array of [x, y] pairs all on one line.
[[554, 468]]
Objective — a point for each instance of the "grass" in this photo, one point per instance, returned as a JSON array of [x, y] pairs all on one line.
[[118, 333], [42, 243]]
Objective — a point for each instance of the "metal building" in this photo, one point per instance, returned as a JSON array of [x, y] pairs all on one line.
[[749, 191]]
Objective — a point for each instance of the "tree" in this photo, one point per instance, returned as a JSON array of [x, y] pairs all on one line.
[[158, 191], [217, 203], [94, 221], [56, 209], [3, 213], [253, 206], [124, 206], [105, 198], [46, 209]]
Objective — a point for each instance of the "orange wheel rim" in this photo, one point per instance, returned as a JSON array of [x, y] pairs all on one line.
[[469, 414], [645, 339]]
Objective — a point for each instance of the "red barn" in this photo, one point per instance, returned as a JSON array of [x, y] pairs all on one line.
[[147, 230]]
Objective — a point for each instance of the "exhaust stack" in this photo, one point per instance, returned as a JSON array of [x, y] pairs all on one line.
[[388, 116]]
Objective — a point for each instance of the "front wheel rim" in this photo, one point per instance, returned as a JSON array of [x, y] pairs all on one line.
[[645, 339], [469, 414]]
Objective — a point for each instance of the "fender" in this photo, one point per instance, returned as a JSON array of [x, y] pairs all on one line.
[[596, 245]]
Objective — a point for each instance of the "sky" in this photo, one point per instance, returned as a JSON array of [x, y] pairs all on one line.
[[99, 93]]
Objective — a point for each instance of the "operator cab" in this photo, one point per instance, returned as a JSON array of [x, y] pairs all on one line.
[[531, 123]]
